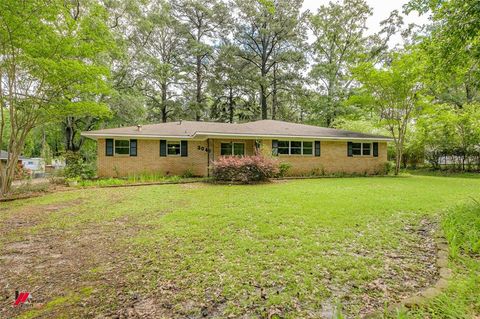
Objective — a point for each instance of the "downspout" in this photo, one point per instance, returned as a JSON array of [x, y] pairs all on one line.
[[208, 157]]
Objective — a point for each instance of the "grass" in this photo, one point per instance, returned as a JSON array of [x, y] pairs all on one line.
[[133, 179], [301, 248], [461, 226]]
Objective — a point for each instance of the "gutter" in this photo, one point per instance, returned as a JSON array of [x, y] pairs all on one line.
[[206, 135]]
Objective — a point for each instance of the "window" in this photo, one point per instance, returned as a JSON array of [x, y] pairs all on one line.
[[238, 149], [307, 148], [283, 147], [361, 149], [173, 148], [366, 149], [122, 147], [357, 148], [227, 149], [295, 148]]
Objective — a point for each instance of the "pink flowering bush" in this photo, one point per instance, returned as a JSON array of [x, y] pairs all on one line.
[[245, 169]]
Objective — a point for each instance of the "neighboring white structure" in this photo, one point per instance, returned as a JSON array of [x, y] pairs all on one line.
[[58, 163], [36, 165]]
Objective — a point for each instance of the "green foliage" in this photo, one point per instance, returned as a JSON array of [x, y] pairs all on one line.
[[76, 168], [394, 93], [461, 225], [188, 173], [340, 43], [143, 178], [445, 130], [462, 229], [271, 43], [283, 169], [28, 188], [53, 63]]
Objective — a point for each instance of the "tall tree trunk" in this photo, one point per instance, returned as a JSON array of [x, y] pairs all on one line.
[[274, 93], [15, 147], [263, 89], [198, 99], [263, 101], [398, 159], [231, 105], [164, 102], [70, 134]]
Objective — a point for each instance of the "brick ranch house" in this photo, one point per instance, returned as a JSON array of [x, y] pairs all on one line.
[[177, 147]]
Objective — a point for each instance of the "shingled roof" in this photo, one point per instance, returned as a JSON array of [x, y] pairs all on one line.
[[4, 155], [257, 129]]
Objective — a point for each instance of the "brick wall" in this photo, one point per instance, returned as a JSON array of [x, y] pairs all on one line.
[[148, 160], [333, 159]]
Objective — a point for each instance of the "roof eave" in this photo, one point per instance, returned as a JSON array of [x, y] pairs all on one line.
[[269, 136], [205, 135], [96, 136]]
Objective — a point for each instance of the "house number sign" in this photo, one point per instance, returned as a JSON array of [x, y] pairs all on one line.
[[203, 148]]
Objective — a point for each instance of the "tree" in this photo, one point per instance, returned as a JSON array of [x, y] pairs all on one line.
[[394, 92], [446, 130], [228, 83], [451, 49], [48, 66], [340, 43], [265, 32], [73, 122], [201, 21], [160, 59]]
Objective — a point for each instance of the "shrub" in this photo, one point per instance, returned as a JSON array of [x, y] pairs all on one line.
[[76, 167], [188, 173], [245, 169], [388, 168], [283, 169], [28, 187]]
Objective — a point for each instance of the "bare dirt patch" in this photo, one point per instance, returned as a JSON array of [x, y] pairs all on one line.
[[407, 271], [52, 262]]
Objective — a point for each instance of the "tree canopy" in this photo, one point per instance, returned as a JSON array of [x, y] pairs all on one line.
[[67, 67]]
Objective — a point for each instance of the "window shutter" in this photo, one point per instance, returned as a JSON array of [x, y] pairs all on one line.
[[350, 149], [133, 147], [375, 149], [109, 147], [163, 148], [184, 148], [317, 148], [275, 147]]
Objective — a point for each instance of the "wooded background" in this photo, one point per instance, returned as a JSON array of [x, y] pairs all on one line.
[[73, 66]]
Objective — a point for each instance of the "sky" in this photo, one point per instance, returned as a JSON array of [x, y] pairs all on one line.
[[381, 11]]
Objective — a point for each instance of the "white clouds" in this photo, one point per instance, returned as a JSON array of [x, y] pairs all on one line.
[[381, 11]]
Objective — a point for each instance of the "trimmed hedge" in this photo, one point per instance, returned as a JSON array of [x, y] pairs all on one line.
[[245, 169]]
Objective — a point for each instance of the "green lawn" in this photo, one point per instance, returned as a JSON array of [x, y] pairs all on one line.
[[294, 249]]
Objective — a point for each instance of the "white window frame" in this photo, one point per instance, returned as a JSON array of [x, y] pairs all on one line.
[[115, 147], [290, 148], [361, 149], [180, 147], [233, 148]]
